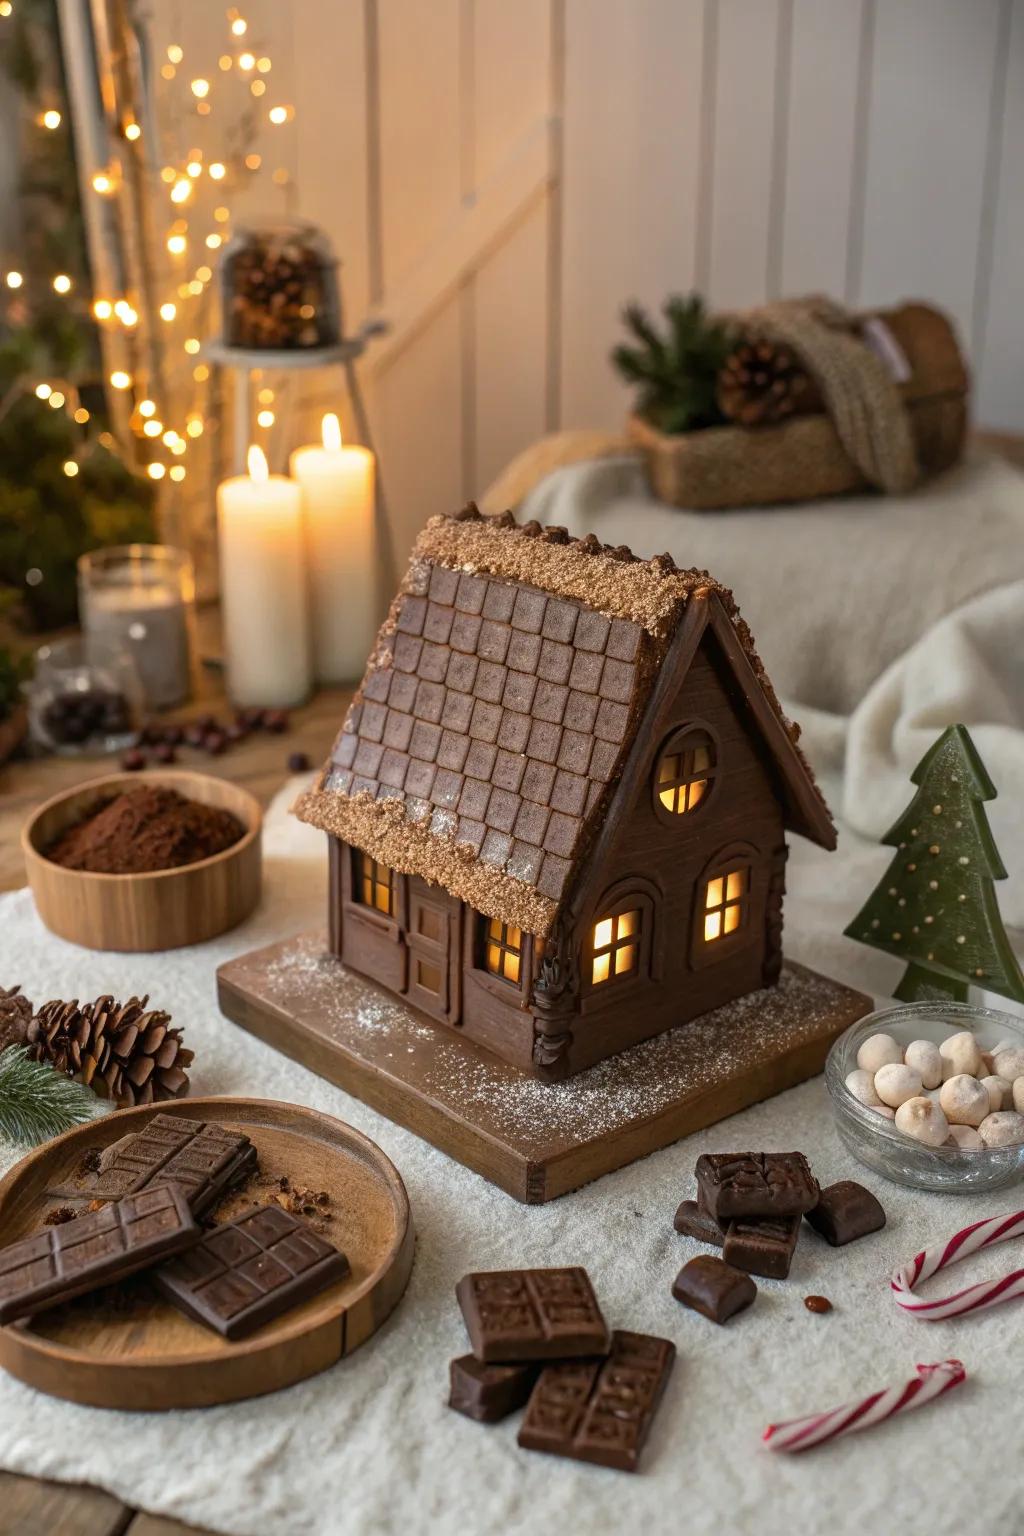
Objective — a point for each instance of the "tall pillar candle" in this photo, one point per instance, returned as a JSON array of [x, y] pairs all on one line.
[[337, 497], [263, 587]]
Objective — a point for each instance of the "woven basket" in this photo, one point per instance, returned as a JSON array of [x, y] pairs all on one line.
[[803, 459]]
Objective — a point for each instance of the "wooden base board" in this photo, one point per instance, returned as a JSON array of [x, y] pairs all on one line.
[[535, 1140]]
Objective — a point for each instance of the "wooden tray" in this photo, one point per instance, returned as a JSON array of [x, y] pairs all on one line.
[[535, 1140], [149, 1355]]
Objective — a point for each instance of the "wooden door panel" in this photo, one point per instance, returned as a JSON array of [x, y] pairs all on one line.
[[433, 940]]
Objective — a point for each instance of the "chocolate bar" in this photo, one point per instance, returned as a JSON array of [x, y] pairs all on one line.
[[532, 1314], [691, 1221], [95, 1249], [489, 1393], [743, 1184], [713, 1288], [204, 1159], [845, 1212], [764, 1247], [600, 1411], [250, 1270]]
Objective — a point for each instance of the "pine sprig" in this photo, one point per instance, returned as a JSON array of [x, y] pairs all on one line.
[[677, 372], [36, 1102]]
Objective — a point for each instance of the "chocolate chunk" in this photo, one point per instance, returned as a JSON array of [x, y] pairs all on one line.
[[489, 1393], [713, 1288], [203, 1158], [691, 1221], [250, 1270], [532, 1314], [600, 1411], [764, 1247], [96, 1249], [846, 1211], [732, 1184]]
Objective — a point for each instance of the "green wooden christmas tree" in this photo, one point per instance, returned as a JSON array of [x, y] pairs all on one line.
[[936, 906]]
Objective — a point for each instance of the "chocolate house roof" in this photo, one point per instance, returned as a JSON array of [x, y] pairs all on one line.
[[500, 701]]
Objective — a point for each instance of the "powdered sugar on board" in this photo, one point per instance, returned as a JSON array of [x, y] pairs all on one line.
[[309, 985]]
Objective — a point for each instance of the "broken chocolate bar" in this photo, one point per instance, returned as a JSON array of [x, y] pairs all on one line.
[[250, 1270], [691, 1221], [763, 1247], [743, 1184], [600, 1411], [845, 1212], [532, 1314], [204, 1159], [489, 1393], [96, 1249], [710, 1286]]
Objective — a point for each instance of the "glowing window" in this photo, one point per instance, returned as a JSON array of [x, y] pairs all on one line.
[[376, 885], [685, 772], [503, 953], [725, 898], [616, 947]]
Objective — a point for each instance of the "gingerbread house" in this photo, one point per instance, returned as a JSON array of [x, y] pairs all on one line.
[[557, 808]]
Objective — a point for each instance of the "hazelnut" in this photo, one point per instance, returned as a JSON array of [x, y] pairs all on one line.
[[1002, 1130], [895, 1084], [922, 1120], [924, 1057], [1018, 1095], [883, 1110], [964, 1100], [1000, 1092], [961, 1056], [879, 1051], [862, 1085], [965, 1137], [1009, 1063]]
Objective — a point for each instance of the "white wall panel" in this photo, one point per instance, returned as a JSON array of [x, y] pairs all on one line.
[[1000, 356], [631, 157]]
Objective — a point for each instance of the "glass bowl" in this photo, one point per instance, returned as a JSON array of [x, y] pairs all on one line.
[[84, 701], [875, 1141]]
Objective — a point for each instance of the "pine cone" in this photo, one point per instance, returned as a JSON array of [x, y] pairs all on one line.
[[763, 382], [15, 1017], [124, 1051]]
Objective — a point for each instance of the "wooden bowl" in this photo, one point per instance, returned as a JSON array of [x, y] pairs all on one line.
[[147, 1355], [161, 910]]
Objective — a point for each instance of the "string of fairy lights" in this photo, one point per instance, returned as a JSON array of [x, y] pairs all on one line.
[[195, 188]]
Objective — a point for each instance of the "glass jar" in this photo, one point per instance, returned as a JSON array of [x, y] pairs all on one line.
[[279, 288], [875, 1141], [84, 701], [141, 598]]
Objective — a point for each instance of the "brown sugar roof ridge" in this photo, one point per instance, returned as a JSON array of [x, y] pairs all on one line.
[[432, 776]]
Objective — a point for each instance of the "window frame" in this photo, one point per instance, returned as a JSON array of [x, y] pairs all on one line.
[[487, 942], [392, 923], [625, 896], [676, 744], [513, 993], [727, 861]]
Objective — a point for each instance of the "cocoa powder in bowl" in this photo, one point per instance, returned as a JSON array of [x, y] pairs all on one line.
[[143, 830]]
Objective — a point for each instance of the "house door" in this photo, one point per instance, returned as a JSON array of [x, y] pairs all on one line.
[[434, 946]]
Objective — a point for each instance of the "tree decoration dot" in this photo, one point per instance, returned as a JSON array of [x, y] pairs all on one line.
[[953, 781]]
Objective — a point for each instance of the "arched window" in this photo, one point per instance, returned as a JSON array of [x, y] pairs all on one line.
[[621, 938], [685, 772], [722, 908]]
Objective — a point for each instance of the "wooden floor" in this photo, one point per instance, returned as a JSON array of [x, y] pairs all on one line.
[[29, 1507]]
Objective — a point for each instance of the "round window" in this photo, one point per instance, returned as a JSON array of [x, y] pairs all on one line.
[[685, 773]]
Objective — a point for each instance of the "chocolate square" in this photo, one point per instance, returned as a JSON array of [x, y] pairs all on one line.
[[489, 1393], [846, 1211], [691, 1221], [763, 1246], [741, 1184], [532, 1314], [713, 1288]]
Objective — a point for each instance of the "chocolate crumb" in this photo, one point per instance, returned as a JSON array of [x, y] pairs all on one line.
[[817, 1304], [58, 1216], [91, 1161]]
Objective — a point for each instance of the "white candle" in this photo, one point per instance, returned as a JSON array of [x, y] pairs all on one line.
[[263, 587], [337, 496]]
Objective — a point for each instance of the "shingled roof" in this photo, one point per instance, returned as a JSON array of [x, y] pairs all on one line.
[[497, 708]]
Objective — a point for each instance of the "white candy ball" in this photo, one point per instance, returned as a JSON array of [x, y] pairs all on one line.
[[1009, 1063], [960, 1054], [1018, 1095], [1000, 1092], [862, 1085], [925, 1058], [895, 1084], [879, 1051], [883, 1110], [965, 1137], [923, 1120], [964, 1100], [1002, 1130]]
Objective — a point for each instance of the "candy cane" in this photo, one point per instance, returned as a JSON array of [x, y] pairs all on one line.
[[996, 1229], [930, 1382]]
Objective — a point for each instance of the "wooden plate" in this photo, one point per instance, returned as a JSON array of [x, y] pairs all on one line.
[[145, 1354]]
